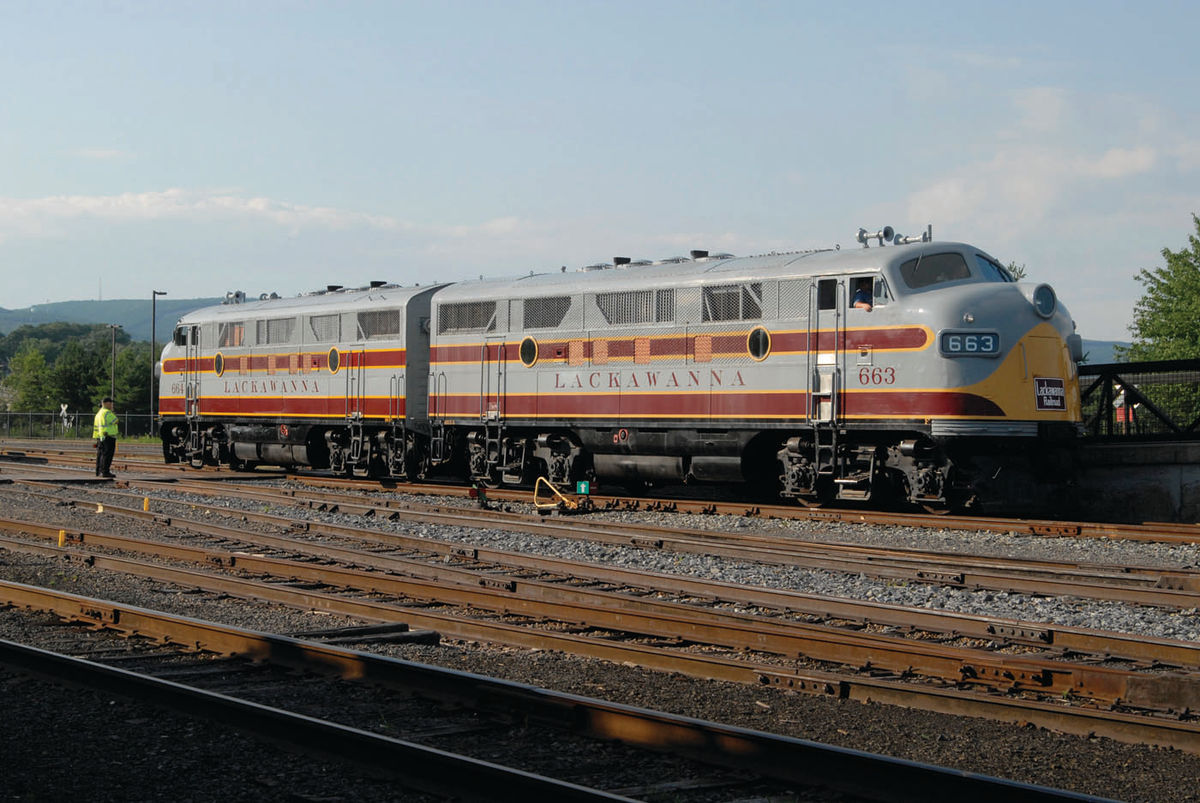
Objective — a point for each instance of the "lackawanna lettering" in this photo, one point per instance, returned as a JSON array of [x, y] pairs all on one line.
[[264, 386], [642, 380], [1051, 394]]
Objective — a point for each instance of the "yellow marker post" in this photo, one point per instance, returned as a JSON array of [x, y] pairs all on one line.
[[146, 504], [62, 537]]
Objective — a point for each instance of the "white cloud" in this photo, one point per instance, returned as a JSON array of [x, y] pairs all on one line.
[[1017, 184], [1048, 163], [50, 215], [1118, 163], [1041, 109], [1187, 155]]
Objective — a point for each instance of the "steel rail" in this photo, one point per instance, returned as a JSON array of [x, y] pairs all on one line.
[[1064, 640], [597, 609], [1118, 725], [1170, 532], [1144, 586], [1167, 532], [425, 768], [772, 756]]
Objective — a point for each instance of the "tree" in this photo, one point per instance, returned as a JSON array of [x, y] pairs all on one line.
[[51, 338], [29, 380], [133, 378], [1165, 328], [74, 377], [1165, 317]]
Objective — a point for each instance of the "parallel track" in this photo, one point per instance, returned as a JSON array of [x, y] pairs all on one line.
[[1162, 532], [966, 667], [777, 758]]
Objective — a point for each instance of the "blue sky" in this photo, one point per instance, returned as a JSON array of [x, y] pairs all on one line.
[[201, 147]]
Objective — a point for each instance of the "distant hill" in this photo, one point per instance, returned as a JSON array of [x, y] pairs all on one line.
[[132, 314], [1099, 352]]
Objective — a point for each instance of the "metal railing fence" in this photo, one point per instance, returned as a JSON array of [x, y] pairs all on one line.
[[1142, 400]]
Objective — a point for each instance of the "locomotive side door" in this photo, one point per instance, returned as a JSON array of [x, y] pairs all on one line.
[[826, 345], [491, 381], [355, 358], [191, 372]]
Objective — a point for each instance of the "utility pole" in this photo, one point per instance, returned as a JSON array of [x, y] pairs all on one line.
[[113, 375], [154, 294]]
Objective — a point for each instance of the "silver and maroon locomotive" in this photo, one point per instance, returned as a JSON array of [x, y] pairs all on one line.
[[919, 371]]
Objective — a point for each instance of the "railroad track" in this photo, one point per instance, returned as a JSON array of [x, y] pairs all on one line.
[[1036, 687], [235, 676], [1161, 532], [1139, 585], [232, 675]]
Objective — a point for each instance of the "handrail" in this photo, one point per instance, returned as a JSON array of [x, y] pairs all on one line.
[[1156, 399]]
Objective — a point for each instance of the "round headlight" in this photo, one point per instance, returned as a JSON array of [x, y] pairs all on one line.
[[1044, 301]]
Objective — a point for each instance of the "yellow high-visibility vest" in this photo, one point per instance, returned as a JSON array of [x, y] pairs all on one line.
[[105, 423]]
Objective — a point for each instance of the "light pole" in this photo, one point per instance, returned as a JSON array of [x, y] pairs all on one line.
[[154, 294], [113, 375]]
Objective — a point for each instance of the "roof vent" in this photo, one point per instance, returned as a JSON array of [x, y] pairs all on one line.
[[377, 283], [699, 254], [619, 261], [333, 288]]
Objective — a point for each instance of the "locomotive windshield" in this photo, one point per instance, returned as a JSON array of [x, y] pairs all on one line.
[[930, 269], [992, 271]]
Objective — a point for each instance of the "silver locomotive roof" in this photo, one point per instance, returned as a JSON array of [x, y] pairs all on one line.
[[702, 271], [325, 301]]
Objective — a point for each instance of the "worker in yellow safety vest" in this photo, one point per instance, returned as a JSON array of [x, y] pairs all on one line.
[[104, 437]]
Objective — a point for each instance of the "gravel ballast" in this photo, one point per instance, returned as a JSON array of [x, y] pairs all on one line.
[[1093, 766]]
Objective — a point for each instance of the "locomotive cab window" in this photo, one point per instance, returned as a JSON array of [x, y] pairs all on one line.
[[930, 269], [180, 338], [869, 290]]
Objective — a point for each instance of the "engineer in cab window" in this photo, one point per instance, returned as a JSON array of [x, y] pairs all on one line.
[[863, 296]]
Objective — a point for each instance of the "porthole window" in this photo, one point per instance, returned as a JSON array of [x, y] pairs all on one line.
[[219, 363], [335, 361], [529, 352], [1044, 301], [758, 343]]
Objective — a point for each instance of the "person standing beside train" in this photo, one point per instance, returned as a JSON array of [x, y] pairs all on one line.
[[104, 436]]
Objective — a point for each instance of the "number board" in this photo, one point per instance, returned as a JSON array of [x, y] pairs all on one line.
[[969, 344]]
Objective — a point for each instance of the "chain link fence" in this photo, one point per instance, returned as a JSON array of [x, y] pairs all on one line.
[[71, 425]]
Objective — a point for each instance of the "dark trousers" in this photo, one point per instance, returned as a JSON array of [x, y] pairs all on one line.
[[104, 455]]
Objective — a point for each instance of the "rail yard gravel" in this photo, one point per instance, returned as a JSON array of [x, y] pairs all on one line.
[[1092, 766], [1160, 623]]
